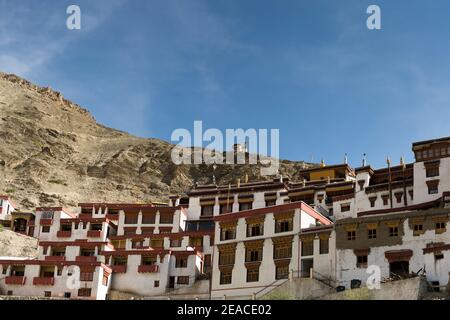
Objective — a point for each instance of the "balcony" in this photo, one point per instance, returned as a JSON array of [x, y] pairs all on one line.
[[15, 280], [43, 281], [86, 259], [148, 268], [64, 234], [94, 233], [119, 269], [55, 258]]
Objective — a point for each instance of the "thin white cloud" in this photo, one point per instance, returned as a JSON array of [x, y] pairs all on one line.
[[31, 37]]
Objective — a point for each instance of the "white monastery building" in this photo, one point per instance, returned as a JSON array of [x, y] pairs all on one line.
[[242, 240]]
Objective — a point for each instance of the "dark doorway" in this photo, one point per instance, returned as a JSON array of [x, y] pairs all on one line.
[[307, 264], [171, 282], [20, 225], [399, 269]]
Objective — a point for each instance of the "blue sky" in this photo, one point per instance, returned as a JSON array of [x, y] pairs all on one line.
[[309, 68]]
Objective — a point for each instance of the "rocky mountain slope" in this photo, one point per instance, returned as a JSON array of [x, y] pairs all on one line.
[[53, 152], [16, 245]]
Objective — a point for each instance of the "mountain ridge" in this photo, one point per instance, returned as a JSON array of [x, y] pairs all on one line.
[[54, 153]]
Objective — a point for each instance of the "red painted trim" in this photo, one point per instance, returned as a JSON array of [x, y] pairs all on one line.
[[41, 281], [148, 268], [163, 235], [123, 252], [274, 209], [14, 280], [435, 248], [418, 206]]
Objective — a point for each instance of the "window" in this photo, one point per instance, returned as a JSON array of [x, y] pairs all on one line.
[[255, 229], [440, 227], [282, 251], [226, 257], [433, 188], [84, 292], [385, 198], [47, 294], [86, 276], [181, 262], [156, 243], [372, 233], [148, 261], [156, 284], [175, 243], [45, 229], [66, 227], [196, 241], [351, 235], [283, 225], [120, 261], [131, 218], [183, 280], [254, 254], [345, 207], [253, 275], [67, 295], [136, 244], [438, 256], [282, 272], [245, 206], [393, 231], [207, 211], [148, 218], [5, 269], [432, 172], [307, 248], [47, 215], [270, 203], [10, 293], [166, 218], [372, 201], [225, 277], [398, 197], [228, 233], [361, 261], [226, 208], [418, 229], [324, 246]]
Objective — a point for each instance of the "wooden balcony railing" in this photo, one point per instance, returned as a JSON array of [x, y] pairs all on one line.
[[119, 269], [86, 259], [148, 268], [94, 233], [43, 281], [55, 258], [64, 234], [15, 280], [46, 222]]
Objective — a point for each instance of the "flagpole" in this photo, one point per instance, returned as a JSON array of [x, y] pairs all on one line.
[[390, 180]]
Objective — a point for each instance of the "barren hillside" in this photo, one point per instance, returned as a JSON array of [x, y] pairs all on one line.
[[53, 152]]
